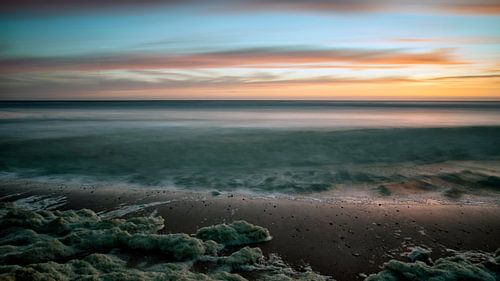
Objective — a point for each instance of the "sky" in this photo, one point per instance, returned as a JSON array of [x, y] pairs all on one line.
[[242, 49]]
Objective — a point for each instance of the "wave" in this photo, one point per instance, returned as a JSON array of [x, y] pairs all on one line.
[[287, 161]]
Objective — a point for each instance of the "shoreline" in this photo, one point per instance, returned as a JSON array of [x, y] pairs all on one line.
[[337, 238]]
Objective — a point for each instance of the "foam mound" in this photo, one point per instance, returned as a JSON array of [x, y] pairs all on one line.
[[469, 265], [419, 254], [80, 245], [234, 234]]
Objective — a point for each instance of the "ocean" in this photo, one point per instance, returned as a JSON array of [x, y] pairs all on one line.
[[264, 147]]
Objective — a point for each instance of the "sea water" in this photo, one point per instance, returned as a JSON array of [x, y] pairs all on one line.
[[258, 146]]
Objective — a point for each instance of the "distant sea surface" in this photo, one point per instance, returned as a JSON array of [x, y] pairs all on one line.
[[256, 146]]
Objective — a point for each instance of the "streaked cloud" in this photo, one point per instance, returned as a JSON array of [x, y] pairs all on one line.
[[414, 40], [462, 77], [449, 6], [473, 7], [242, 58], [78, 84], [353, 6], [478, 40]]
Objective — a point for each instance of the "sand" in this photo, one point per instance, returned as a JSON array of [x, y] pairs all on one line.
[[341, 238]]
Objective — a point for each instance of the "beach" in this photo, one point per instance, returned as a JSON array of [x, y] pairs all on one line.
[[346, 239], [308, 190]]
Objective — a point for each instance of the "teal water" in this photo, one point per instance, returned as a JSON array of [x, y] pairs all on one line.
[[285, 147]]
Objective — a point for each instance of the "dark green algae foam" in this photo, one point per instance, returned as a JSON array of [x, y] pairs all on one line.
[[79, 245]]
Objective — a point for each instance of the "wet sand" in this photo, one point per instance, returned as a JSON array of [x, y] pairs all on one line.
[[335, 237]]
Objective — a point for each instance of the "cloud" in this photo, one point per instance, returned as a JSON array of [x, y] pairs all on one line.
[[414, 40], [139, 83], [78, 82], [240, 58], [104, 82], [484, 7], [469, 40], [85, 85], [314, 5], [64, 6], [481, 8], [464, 77]]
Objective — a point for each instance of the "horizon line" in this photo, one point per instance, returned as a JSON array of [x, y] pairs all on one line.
[[251, 100]]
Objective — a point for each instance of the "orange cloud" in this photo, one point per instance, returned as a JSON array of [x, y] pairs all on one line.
[[475, 8], [245, 58], [466, 77]]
